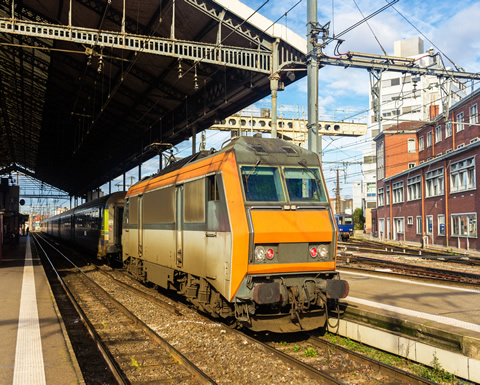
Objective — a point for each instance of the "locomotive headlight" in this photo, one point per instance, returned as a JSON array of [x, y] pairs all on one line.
[[323, 251], [259, 253]]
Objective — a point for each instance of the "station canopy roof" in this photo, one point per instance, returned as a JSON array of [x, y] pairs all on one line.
[[85, 91]]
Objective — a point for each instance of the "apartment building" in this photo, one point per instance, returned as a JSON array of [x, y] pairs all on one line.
[[427, 179]]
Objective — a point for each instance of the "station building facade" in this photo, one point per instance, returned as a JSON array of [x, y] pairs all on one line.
[[427, 177]]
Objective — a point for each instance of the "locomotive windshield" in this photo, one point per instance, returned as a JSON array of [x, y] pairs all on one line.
[[262, 184], [304, 185]]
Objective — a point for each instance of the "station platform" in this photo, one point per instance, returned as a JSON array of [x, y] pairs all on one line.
[[426, 322], [36, 349]]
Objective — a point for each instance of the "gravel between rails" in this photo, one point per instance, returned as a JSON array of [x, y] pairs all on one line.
[[225, 357]]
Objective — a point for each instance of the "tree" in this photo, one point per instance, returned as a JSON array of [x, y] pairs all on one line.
[[358, 219]]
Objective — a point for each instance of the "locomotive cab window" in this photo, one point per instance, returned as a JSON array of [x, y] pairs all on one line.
[[262, 184], [304, 185]]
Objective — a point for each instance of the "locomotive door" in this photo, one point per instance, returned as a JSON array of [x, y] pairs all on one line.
[[179, 197], [140, 226]]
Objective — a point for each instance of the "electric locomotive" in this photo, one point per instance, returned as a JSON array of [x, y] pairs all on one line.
[[245, 234], [345, 226]]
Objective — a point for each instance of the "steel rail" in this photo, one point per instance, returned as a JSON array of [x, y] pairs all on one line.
[[109, 359], [175, 354], [309, 370], [384, 368], [172, 309]]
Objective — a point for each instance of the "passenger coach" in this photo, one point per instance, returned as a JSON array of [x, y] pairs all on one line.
[[95, 226]]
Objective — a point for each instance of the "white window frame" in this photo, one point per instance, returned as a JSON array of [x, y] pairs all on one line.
[[448, 129], [438, 134], [421, 143], [414, 188], [440, 221], [429, 139], [434, 183], [398, 226], [464, 230], [398, 192], [381, 228], [460, 122], [462, 175], [473, 114], [429, 225], [381, 197], [418, 224], [387, 194], [411, 145], [409, 221]]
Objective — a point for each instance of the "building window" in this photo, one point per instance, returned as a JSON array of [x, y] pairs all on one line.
[[411, 165], [371, 189], [462, 175], [448, 130], [441, 224], [429, 230], [429, 139], [419, 225], [464, 225], [398, 192], [434, 183], [411, 145], [421, 144], [381, 197], [395, 82], [381, 228], [399, 224], [438, 134], [414, 188], [409, 221], [473, 118], [380, 161], [460, 122], [387, 195]]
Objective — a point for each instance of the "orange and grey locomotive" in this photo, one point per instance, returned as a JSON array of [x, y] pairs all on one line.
[[245, 234]]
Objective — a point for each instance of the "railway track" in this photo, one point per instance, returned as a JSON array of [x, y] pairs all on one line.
[[333, 364], [258, 361], [126, 343], [355, 257]]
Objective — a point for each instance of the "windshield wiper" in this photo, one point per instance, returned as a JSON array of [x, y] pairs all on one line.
[[303, 163], [250, 173]]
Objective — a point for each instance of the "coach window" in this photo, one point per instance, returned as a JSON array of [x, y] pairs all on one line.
[[262, 184], [195, 201]]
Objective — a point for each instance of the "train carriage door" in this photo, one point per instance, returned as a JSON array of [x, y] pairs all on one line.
[[179, 224], [140, 226]]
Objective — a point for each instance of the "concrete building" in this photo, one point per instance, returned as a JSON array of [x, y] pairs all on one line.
[[402, 97], [428, 179]]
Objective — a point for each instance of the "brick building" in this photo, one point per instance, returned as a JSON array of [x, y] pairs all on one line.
[[427, 179]]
